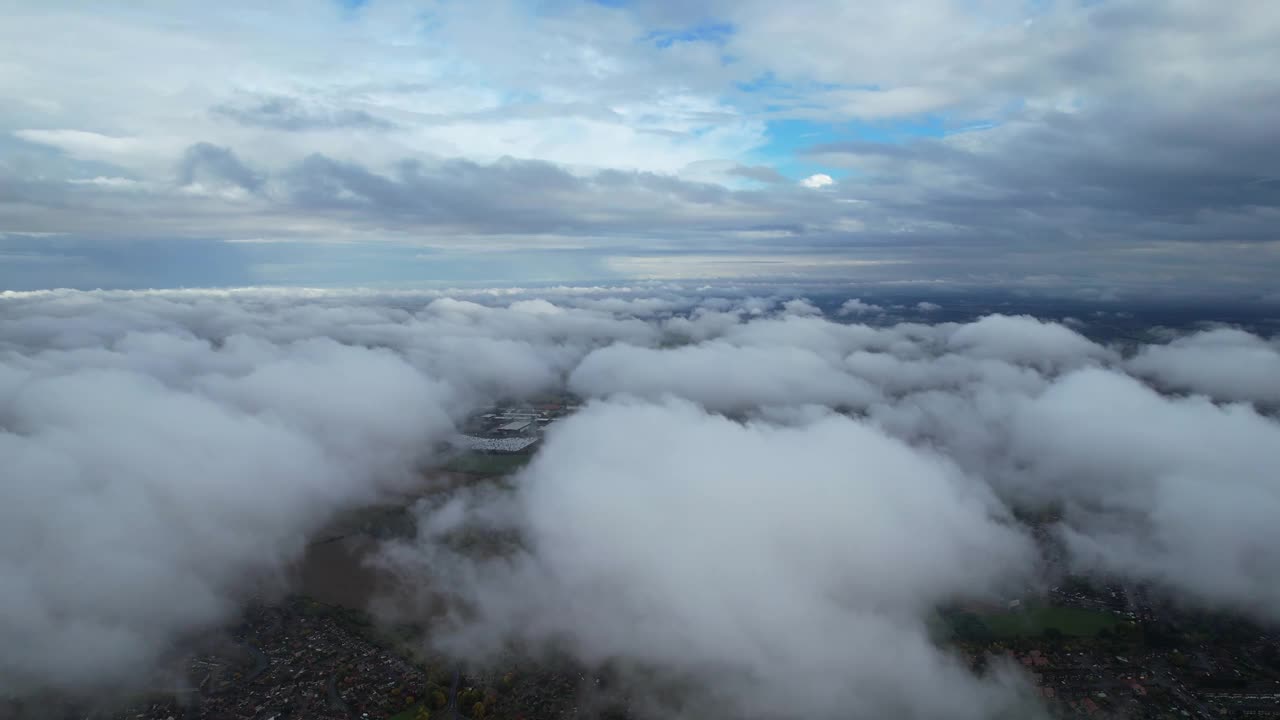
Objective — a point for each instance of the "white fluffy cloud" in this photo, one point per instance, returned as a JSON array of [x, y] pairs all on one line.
[[759, 500], [167, 454], [1176, 491], [1223, 364], [855, 306], [1025, 339], [721, 376], [817, 181], [150, 486], [785, 569]]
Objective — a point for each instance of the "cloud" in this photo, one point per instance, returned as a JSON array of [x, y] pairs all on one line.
[[768, 585], [759, 173], [1014, 401], [1093, 147], [205, 162], [721, 376], [856, 306], [169, 454], [1024, 339], [1173, 491], [1225, 364], [83, 143], [716, 518], [152, 486], [516, 197], [286, 113], [817, 181], [895, 102], [800, 307], [926, 306]]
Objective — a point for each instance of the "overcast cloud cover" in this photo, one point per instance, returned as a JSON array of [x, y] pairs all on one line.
[[711, 514], [1070, 146]]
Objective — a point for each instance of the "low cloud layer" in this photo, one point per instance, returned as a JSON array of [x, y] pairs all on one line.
[[1177, 491], [1223, 364], [784, 569], [152, 484], [759, 501]]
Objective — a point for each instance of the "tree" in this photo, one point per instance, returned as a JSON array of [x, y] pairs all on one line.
[[477, 711], [968, 627]]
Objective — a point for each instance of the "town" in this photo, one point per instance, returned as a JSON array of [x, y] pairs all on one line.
[[1092, 652], [504, 437], [303, 659], [1091, 648], [1109, 651]]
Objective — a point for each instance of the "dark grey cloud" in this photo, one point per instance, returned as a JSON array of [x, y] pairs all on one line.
[[759, 173], [1181, 176], [287, 113], [207, 162], [934, 210], [512, 195], [521, 196], [1159, 134]]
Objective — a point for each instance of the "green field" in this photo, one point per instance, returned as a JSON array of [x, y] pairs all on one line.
[[1033, 621], [1029, 621], [482, 464]]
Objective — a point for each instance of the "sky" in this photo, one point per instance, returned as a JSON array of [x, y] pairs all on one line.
[[1103, 147]]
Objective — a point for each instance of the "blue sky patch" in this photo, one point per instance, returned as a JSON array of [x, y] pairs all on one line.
[[789, 138], [712, 32]]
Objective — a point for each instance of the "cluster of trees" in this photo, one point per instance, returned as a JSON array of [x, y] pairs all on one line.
[[477, 701], [968, 627]]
